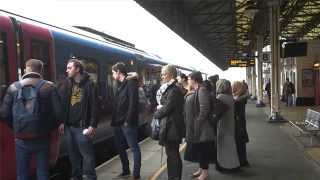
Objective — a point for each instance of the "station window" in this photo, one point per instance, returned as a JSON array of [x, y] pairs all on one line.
[[4, 69], [40, 50]]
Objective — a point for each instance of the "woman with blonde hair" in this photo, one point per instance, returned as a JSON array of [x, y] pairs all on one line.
[[170, 113], [240, 95]]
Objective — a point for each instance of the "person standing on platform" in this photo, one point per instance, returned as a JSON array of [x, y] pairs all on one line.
[[79, 98], [125, 119], [183, 83], [240, 96], [213, 80], [289, 90], [200, 134], [268, 90], [32, 107], [227, 156], [170, 113]]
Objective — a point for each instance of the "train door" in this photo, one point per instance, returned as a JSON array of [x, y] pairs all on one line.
[[8, 74], [38, 44]]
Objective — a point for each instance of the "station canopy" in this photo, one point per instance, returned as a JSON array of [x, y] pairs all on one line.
[[227, 29]]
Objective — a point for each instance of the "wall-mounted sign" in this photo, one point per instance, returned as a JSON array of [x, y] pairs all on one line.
[[266, 57], [241, 62]]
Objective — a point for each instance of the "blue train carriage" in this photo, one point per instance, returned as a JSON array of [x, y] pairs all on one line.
[[24, 38], [98, 56]]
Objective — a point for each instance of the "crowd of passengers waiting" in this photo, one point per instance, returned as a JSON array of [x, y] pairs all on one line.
[[209, 114]]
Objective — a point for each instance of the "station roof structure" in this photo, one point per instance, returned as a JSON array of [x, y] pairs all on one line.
[[227, 29]]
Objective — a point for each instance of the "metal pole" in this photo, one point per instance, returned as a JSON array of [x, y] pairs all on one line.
[[254, 79], [259, 69], [249, 79], [275, 60]]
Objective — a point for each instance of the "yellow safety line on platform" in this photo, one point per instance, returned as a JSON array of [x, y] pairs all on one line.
[[115, 157], [162, 168]]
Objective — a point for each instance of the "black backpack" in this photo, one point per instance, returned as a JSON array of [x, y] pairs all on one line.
[[26, 109]]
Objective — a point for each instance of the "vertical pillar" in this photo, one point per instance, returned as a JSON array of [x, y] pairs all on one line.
[[259, 72], [253, 82], [275, 60]]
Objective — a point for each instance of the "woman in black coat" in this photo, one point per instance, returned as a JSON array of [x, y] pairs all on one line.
[[199, 132], [242, 138]]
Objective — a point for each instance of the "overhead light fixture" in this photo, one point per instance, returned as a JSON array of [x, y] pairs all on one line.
[[316, 64]]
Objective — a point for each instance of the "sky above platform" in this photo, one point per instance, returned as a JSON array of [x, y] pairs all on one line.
[[124, 19]]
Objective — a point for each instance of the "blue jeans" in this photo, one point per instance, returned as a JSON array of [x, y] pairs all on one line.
[[25, 149], [80, 149], [290, 100], [123, 135]]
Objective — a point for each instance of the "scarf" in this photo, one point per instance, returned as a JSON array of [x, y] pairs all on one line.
[[163, 89]]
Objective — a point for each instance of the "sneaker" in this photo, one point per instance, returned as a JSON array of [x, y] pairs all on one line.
[[123, 175]]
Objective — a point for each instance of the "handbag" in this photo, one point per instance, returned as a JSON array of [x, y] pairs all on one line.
[[155, 129]]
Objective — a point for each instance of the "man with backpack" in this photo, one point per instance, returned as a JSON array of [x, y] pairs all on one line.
[[32, 107]]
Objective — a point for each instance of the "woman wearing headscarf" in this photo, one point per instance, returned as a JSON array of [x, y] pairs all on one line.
[[240, 95], [227, 156], [199, 132]]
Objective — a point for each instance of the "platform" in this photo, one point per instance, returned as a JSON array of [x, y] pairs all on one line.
[[274, 152]]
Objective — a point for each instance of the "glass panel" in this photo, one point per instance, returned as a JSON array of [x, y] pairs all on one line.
[[40, 50], [3, 60], [110, 82], [4, 69], [92, 69]]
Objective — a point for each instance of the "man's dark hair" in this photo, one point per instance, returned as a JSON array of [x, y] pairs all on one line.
[[35, 65], [214, 78], [183, 77], [121, 67], [207, 84], [196, 76], [78, 64]]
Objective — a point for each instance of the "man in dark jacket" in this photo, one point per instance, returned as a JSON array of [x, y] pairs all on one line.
[[170, 113], [35, 140], [125, 118], [289, 91], [80, 122]]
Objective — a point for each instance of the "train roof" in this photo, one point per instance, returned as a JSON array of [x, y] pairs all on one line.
[[82, 36]]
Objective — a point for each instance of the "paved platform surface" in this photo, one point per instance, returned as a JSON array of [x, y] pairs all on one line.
[[273, 152], [151, 159]]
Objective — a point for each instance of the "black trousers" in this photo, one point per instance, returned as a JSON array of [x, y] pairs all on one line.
[[242, 153], [174, 162]]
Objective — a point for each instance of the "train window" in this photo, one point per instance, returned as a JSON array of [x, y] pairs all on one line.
[[40, 50], [92, 68], [4, 69], [110, 81]]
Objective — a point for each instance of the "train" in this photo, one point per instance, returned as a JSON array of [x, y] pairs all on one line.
[[22, 38]]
